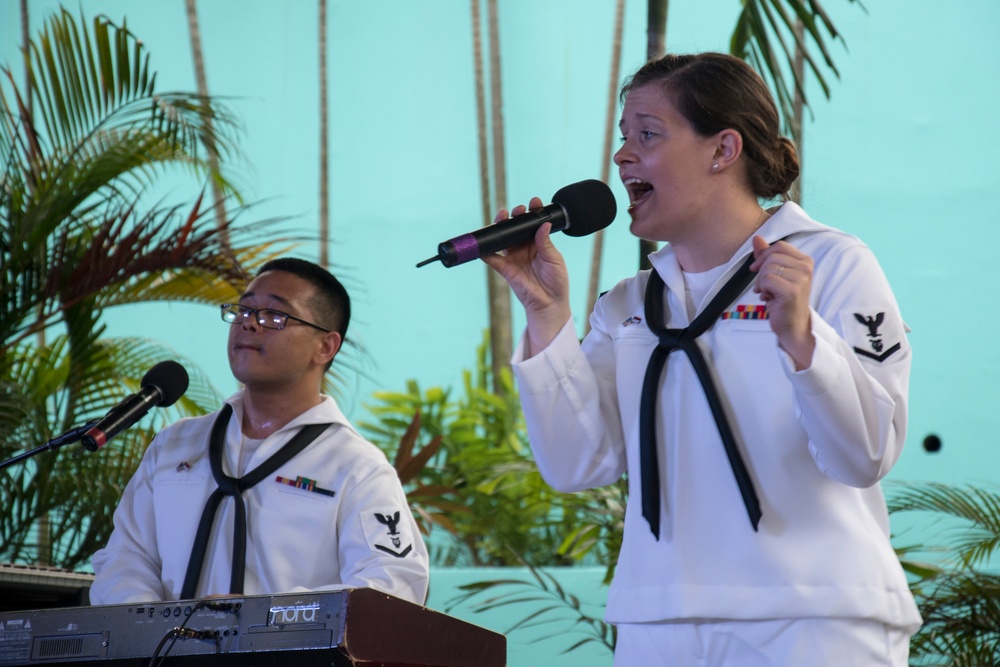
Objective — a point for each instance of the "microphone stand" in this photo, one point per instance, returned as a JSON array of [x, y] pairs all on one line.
[[72, 435]]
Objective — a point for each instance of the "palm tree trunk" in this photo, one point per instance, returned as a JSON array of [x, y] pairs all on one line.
[[481, 124], [25, 37], [199, 75], [656, 41], [501, 345], [43, 524], [656, 28], [610, 127], [798, 107], [324, 148]]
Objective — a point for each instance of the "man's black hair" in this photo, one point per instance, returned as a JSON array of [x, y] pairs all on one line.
[[331, 304]]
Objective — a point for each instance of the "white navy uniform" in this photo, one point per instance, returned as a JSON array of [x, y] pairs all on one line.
[[334, 516], [816, 443]]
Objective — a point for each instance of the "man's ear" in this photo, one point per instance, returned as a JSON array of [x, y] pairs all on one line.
[[332, 343]]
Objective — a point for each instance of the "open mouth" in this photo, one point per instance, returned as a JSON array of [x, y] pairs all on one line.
[[638, 191]]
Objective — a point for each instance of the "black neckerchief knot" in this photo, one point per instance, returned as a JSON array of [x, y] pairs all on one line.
[[684, 339], [232, 486]]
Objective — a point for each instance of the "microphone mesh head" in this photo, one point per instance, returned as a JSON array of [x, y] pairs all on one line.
[[590, 205], [170, 378]]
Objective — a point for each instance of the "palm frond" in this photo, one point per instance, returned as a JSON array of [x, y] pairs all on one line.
[[76, 237], [768, 36], [550, 603], [77, 492], [961, 614], [973, 534], [960, 603]]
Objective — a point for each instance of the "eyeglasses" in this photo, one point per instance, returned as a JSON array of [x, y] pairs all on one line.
[[266, 317]]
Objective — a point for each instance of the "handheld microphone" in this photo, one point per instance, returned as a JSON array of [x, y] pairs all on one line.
[[161, 386], [577, 209]]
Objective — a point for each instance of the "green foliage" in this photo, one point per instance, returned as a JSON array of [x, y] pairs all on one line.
[[958, 596], [961, 612], [551, 603], [80, 145], [482, 486], [59, 508], [475, 479], [770, 34]]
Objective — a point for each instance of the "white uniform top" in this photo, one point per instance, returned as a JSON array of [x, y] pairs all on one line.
[[816, 443], [356, 530]]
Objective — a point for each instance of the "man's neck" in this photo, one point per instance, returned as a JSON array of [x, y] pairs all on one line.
[[265, 411]]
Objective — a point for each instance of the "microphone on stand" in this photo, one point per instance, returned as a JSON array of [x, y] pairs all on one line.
[[161, 386], [577, 209]]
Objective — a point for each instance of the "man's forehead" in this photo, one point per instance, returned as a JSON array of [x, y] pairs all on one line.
[[278, 286], [250, 294]]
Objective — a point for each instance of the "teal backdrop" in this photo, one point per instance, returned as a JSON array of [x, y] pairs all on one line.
[[902, 155]]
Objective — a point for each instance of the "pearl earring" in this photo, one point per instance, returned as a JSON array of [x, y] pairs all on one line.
[[715, 167]]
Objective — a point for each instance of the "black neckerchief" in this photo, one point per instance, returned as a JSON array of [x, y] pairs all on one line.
[[684, 339], [231, 486]]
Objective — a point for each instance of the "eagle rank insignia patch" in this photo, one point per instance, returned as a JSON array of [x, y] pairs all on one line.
[[389, 536], [873, 335]]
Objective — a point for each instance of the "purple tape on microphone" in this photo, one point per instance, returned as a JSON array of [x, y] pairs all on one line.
[[466, 248]]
